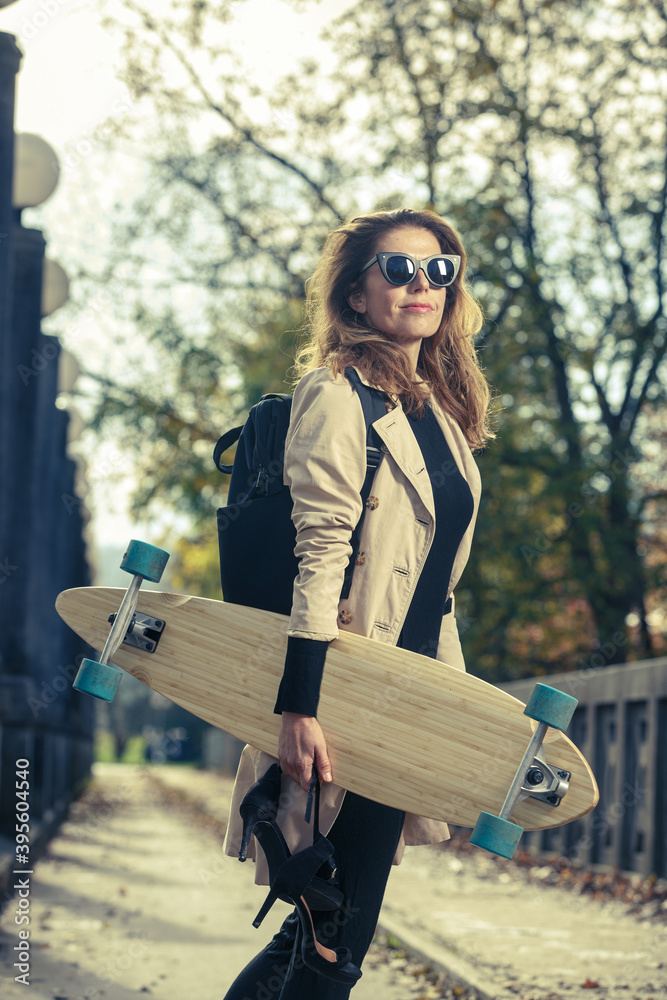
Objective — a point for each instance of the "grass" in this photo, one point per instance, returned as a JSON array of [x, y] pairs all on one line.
[[105, 749]]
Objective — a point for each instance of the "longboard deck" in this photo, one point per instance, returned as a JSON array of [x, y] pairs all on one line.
[[402, 729]]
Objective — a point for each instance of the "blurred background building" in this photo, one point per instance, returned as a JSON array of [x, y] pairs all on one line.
[[42, 547]]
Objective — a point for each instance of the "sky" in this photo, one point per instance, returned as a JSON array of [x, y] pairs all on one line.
[[67, 89], [67, 84]]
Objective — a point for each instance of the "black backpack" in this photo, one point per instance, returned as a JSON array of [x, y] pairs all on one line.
[[256, 534]]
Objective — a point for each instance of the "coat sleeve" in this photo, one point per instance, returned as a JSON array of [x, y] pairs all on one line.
[[449, 644], [325, 467]]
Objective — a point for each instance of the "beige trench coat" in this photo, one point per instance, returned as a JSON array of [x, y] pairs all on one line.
[[325, 467]]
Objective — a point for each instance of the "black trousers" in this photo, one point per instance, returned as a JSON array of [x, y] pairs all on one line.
[[364, 836]]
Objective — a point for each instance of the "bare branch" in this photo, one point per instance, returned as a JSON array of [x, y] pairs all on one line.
[[629, 414], [606, 214], [213, 105]]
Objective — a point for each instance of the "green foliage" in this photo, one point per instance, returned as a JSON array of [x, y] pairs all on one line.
[[105, 749], [134, 751], [539, 130]]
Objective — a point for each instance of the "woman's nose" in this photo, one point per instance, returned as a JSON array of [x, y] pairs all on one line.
[[420, 280]]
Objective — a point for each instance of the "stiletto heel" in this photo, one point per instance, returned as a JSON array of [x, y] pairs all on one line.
[[265, 907], [258, 812], [293, 875], [260, 802]]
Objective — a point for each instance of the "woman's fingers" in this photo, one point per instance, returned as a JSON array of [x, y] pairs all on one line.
[[294, 754], [301, 745], [322, 761]]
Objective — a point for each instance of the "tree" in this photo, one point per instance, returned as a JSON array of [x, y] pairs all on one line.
[[538, 128]]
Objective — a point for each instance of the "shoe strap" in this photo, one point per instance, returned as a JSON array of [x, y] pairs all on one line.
[[314, 794], [298, 870]]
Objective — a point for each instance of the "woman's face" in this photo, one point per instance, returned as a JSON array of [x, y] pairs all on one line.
[[409, 313]]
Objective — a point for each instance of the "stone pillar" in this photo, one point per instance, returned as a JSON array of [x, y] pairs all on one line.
[[42, 550], [24, 380], [10, 58]]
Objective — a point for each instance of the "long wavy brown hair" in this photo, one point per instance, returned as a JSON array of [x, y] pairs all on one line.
[[338, 337]]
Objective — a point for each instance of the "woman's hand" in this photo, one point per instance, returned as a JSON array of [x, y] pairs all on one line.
[[301, 745]]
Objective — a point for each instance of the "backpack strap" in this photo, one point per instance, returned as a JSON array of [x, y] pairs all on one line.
[[225, 442], [373, 406], [263, 425]]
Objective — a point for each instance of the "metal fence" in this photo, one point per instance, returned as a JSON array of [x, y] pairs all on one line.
[[620, 725]]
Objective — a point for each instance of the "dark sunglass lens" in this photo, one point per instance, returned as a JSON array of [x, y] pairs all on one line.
[[400, 270], [440, 271]]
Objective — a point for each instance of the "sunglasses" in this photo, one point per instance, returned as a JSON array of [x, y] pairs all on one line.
[[400, 268]]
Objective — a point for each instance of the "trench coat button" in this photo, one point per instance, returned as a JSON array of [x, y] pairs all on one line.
[[361, 559], [345, 617], [372, 503]]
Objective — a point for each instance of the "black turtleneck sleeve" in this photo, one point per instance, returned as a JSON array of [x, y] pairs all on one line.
[[299, 689]]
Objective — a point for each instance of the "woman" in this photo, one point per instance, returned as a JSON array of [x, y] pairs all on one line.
[[388, 299]]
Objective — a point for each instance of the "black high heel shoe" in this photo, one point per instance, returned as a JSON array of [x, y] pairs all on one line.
[[258, 812], [260, 802], [294, 874]]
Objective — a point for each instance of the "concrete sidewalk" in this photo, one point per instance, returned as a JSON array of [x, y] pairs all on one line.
[[493, 928], [507, 937], [135, 897]]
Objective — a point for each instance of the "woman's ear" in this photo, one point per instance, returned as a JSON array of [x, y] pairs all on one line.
[[357, 301]]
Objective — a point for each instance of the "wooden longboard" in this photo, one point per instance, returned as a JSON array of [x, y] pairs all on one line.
[[402, 729]]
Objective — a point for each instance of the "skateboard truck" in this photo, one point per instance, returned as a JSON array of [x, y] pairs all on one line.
[[549, 708], [143, 631], [545, 782], [100, 678]]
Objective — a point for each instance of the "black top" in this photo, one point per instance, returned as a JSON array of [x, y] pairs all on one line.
[[304, 663], [453, 510]]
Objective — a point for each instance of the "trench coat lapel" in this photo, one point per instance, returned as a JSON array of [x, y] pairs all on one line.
[[401, 443], [399, 440], [398, 437]]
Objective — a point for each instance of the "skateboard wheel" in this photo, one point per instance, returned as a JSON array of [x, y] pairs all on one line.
[[97, 679], [546, 704], [145, 560], [499, 836]]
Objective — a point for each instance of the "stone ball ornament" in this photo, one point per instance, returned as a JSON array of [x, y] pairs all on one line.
[[36, 171]]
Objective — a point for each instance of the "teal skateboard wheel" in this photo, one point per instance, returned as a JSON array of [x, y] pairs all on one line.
[[555, 708], [499, 836], [144, 560], [97, 679]]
